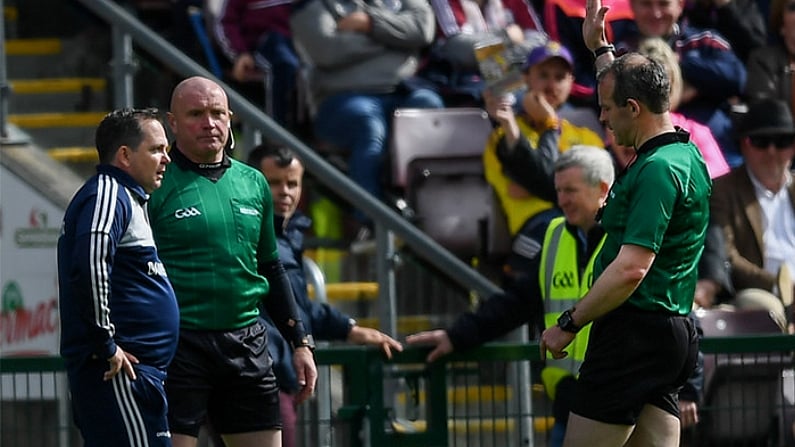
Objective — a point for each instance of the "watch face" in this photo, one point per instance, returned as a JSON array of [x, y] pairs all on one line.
[[566, 322]]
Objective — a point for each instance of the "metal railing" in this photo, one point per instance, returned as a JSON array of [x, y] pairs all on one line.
[[127, 30], [465, 399]]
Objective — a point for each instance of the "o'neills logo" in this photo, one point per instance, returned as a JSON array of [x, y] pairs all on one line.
[[38, 234], [18, 324]]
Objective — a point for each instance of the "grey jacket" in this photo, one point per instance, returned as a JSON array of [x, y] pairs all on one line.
[[375, 62]]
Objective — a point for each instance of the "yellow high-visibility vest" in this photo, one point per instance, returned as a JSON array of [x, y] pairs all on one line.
[[562, 284]]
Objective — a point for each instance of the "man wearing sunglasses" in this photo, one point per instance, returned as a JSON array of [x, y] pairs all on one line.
[[755, 206]]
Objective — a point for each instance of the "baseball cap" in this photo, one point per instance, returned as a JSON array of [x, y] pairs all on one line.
[[547, 51]]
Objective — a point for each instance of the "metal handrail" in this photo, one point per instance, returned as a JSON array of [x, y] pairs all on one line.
[[162, 50]]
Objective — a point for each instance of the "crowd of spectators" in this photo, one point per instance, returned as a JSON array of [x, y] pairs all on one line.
[[732, 89], [727, 52], [359, 61]]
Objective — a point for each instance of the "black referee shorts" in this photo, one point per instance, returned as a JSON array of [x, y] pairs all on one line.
[[635, 357], [226, 377]]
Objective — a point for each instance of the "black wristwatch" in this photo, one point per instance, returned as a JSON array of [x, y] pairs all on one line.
[[566, 322], [306, 342]]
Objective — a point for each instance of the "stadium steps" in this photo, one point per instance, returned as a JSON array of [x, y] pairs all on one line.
[[58, 95], [474, 397]]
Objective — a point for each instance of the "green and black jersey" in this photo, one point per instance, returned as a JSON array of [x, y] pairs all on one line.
[[661, 203], [211, 236]]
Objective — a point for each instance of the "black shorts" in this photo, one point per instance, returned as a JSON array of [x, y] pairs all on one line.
[[634, 358], [226, 377]]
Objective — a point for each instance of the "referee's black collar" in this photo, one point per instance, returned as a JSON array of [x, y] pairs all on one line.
[[212, 171], [678, 136]]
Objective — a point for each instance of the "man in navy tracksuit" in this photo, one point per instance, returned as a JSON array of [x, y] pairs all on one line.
[[284, 173], [119, 316]]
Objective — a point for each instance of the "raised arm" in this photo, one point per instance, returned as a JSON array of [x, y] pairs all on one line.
[[593, 33]]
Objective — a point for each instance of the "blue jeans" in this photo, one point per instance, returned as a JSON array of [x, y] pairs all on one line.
[[360, 124], [277, 58]]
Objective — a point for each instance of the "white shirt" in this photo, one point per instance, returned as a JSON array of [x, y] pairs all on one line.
[[778, 221]]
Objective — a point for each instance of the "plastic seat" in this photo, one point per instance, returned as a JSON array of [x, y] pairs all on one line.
[[436, 164], [435, 133], [742, 391]]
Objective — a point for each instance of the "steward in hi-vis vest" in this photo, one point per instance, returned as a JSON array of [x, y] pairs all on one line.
[[563, 280], [558, 274]]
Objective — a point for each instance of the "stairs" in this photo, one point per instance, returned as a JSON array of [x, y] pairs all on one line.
[[58, 90]]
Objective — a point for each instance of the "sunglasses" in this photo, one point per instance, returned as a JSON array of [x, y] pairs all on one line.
[[790, 7], [764, 141]]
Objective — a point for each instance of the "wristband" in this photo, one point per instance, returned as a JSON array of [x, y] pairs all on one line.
[[609, 48]]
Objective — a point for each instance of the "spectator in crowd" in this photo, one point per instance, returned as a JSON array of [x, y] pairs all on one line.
[[363, 59], [714, 77], [119, 316], [255, 36], [582, 177], [755, 207], [701, 135], [213, 222], [771, 73], [284, 173], [520, 154], [465, 24], [740, 21], [563, 22]]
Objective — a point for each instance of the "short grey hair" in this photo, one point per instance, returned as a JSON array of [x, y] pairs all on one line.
[[595, 162]]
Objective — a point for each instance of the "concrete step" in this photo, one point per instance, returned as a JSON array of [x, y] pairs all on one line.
[[62, 103], [55, 119], [80, 160], [467, 395], [541, 424], [56, 58], [348, 291], [74, 154], [491, 402], [58, 95], [51, 130], [57, 85], [33, 47]]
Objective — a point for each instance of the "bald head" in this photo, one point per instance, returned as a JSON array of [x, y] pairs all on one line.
[[200, 119], [193, 85]]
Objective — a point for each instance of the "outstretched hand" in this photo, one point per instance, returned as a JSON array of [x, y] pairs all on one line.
[[438, 339], [369, 336], [593, 26]]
